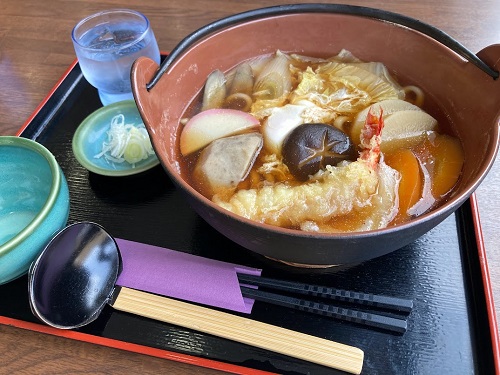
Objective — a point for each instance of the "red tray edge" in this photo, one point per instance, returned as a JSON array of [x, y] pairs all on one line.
[[140, 349], [490, 305]]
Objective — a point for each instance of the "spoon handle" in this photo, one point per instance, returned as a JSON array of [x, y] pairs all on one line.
[[240, 329]]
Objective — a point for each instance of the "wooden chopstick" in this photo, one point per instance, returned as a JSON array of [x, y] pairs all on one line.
[[240, 329], [350, 315], [372, 300]]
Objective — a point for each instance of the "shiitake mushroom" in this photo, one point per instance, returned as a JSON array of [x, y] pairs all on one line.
[[311, 147]]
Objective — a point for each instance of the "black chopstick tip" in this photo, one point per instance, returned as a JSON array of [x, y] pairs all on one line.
[[397, 304]]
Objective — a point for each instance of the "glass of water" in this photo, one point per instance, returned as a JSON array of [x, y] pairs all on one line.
[[106, 44]]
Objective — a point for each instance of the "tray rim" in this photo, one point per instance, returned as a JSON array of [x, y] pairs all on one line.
[[490, 305], [228, 367]]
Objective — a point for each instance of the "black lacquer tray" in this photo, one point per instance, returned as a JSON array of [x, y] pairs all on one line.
[[451, 329]]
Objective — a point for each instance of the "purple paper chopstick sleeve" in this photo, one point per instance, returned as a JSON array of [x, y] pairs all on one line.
[[184, 276]]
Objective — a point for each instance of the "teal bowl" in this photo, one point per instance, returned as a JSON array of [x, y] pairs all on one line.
[[34, 203]]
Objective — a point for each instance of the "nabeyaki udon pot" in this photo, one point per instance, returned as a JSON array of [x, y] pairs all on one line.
[[464, 86]]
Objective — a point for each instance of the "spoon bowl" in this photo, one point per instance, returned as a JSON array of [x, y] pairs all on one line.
[[74, 277]]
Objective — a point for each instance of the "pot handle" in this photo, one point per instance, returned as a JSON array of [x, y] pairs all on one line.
[[281, 10], [491, 56], [143, 70]]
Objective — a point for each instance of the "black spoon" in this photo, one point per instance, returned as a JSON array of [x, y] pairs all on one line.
[[74, 278]]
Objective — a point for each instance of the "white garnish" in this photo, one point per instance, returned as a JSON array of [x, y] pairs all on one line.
[[126, 142]]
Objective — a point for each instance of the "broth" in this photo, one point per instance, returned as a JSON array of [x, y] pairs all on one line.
[[415, 171]]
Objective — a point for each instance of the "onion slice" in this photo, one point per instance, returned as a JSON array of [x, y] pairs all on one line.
[[126, 142]]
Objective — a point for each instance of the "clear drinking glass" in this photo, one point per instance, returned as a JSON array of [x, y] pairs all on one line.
[[106, 44]]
